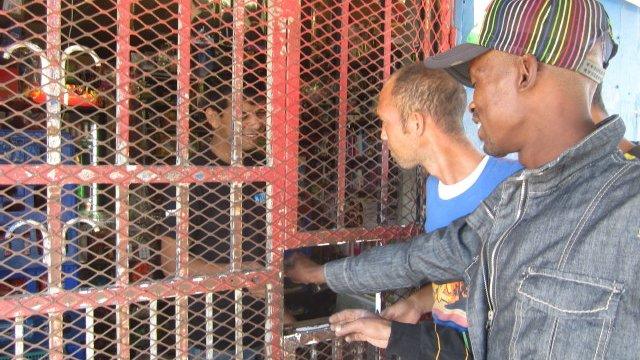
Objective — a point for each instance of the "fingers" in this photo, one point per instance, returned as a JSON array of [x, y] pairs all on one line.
[[349, 315], [212, 117], [373, 330], [259, 292], [350, 328], [356, 337], [290, 263], [288, 318]]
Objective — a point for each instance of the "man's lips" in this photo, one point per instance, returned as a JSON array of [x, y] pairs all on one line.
[[477, 122]]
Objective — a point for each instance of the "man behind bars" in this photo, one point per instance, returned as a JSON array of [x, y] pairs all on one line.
[[210, 234], [421, 112], [548, 256]]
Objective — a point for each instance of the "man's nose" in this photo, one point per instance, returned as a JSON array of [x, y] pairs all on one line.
[[472, 107], [253, 123]]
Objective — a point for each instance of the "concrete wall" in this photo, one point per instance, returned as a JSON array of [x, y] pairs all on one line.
[[621, 90]]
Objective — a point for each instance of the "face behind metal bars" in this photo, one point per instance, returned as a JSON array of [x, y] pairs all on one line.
[[133, 227]]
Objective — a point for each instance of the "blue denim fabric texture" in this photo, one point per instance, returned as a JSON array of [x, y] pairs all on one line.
[[551, 258]]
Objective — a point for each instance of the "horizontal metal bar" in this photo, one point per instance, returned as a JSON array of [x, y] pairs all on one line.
[[130, 174], [329, 237], [306, 333], [34, 304]]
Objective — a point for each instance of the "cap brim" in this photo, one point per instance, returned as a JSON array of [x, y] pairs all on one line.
[[456, 61]]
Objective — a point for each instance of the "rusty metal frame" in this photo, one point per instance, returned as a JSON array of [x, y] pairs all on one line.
[[280, 174]]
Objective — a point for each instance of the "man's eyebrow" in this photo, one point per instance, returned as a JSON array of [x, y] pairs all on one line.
[[477, 69]]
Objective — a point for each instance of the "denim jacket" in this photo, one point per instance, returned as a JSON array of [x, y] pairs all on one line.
[[551, 258]]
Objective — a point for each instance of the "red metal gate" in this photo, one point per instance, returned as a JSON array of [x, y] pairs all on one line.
[[159, 157]]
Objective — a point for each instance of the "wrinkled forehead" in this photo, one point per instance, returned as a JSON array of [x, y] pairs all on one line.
[[490, 62], [478, 66]]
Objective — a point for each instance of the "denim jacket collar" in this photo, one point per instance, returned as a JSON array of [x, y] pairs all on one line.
[[601, 142]]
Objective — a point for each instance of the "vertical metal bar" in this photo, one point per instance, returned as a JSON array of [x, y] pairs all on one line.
[[89, 333], [183, 71], [236, 152], [209, 325], [94, 161], [236, 160], [53, 244], [427, 27], [336, 349], [153, 329], [122, 271], [283, 93], [182, 249], [384, 176], [445, 16], [343, 109], [182, 191], [291, 84], [289, 351], [123, 81], [19, 335]]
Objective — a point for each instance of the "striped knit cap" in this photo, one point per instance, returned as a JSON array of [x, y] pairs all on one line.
[[556, 32]]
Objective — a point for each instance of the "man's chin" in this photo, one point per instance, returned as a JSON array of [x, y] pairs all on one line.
[[404, 165], [492, 151]]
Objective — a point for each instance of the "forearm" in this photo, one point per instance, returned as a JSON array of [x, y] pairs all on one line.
[[199, 267], [196, 266], [438, 256], [422, 299], [374, 270]]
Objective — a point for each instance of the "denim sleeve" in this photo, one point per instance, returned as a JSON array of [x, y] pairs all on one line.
[[439, 256]]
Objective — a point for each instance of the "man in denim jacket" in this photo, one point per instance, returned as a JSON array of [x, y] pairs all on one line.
[[551, 256]]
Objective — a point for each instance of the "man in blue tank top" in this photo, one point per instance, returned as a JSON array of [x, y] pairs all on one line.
[[421, 112]]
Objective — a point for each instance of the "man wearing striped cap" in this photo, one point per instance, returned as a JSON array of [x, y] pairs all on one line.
[[550, 257]]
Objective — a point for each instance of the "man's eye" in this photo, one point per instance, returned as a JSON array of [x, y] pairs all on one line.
[[261, 113]]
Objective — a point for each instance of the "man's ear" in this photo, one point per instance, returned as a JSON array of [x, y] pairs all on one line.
[[528, 67], [213, 118], [415, 124]]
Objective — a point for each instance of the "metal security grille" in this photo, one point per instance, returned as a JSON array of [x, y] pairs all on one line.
[[159, 160]]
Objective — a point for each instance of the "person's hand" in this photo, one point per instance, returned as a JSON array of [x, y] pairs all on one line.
[[404, 311], [411, 309], [168, 252], [303, 270], [288, 318], [361, 325]]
